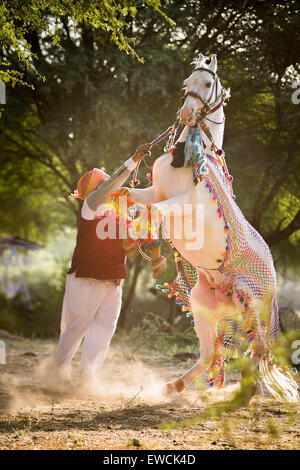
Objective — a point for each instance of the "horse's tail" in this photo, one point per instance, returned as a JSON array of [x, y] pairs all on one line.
[[279, 384]]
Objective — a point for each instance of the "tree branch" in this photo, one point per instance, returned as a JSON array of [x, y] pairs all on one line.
[[280, 235]]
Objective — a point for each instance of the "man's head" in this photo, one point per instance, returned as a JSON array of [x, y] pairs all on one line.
[[89, 182]]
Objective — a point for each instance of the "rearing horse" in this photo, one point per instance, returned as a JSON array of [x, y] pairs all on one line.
[[234, 265]]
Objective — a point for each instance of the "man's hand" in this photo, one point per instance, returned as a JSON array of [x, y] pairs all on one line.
[[141, 151]]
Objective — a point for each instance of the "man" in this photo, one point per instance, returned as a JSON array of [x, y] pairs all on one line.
[[93, 295]]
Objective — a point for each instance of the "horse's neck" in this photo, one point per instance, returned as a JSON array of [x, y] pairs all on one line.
[[216, 130]]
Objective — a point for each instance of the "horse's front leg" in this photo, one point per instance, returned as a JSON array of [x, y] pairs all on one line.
[[173, 206], [204, 304], [145, 197]]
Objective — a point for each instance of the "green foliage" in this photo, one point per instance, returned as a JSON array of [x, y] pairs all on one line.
[[29, 191], [18, 19], [42, 320], [97, 103], [154, 338], [46, 281], [283, 348]]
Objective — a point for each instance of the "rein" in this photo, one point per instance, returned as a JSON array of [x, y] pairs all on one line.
[[171, 131]]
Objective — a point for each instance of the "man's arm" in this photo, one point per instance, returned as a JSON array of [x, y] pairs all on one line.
[[101, 194]]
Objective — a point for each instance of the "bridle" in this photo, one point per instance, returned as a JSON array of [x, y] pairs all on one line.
[[209, 107]]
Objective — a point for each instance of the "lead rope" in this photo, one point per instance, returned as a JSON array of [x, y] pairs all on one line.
[[171, 131]]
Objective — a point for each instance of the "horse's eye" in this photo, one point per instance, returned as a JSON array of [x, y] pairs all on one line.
[[208, 84]]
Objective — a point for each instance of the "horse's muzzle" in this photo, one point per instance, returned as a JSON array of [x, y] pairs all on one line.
[[188, 116]]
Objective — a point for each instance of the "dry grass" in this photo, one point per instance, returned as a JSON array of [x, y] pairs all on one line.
[[131, 412]]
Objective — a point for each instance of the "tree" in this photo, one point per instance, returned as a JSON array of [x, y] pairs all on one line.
[[267, 151], [98, 104], [19, 19]]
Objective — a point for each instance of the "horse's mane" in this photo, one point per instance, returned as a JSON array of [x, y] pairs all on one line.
[[200, 61]]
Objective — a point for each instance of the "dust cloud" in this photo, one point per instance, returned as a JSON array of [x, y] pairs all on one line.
[[120, 382]]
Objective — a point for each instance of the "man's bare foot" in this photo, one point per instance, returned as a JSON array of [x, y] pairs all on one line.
[[88, 385]]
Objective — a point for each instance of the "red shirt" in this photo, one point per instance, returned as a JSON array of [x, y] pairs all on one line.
[[95, 258]]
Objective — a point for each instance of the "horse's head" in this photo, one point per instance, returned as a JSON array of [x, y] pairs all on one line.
[[202, 90]]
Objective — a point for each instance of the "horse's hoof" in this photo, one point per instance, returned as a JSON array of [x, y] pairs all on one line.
[[173, 388]]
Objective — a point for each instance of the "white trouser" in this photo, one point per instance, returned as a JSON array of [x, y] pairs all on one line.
[[90, 311]]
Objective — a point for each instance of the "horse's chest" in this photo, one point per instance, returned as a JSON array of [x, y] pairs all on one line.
[[176, 180], [195, 228], [179, 181]]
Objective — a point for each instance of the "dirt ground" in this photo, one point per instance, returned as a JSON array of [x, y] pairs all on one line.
[[131, 411]]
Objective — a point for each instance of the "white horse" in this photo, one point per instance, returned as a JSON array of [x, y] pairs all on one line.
[[173, 188]]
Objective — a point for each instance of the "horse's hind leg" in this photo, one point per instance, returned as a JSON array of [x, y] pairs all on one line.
[[250, 372], [206, 331], [205, 325]]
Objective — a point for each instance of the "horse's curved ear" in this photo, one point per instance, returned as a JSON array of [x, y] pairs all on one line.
[[213, 63], [201, 58], [199, 61], [226, 92]]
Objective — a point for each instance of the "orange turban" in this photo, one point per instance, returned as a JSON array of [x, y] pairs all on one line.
[[89, 182]]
